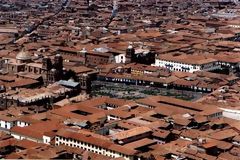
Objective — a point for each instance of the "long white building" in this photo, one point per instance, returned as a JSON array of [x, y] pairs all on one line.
[[186, 63], [93, 143]]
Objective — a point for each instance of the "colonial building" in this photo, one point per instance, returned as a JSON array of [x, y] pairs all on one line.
[[51, 72], [140, 55], [186, 63], [92, 142]]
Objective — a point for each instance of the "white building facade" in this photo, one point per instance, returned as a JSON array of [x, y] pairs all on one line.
[[7, 124], [22, 124], [121, 58], [71, 142], [187, 67]]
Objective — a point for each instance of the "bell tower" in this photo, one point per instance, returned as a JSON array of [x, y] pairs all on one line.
[[47, 64], [83, 53], [58, 67], [130, 51], [58, 62]]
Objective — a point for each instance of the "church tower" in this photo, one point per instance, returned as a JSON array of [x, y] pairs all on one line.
[[58, 62], [58, 67], [46, 67], [83, 53], [130, 51], [47, 64]]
